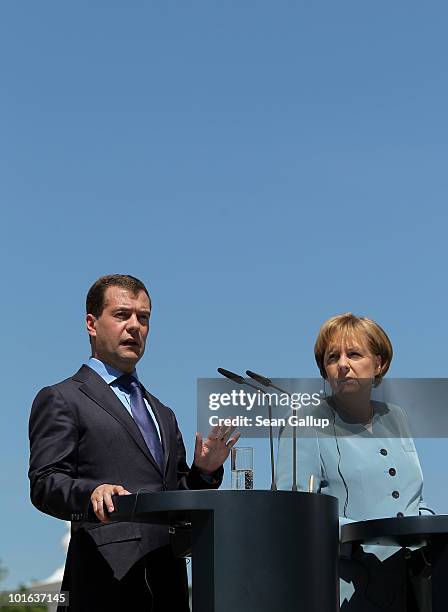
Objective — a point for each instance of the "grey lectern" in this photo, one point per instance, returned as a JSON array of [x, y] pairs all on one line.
[[253, 551]]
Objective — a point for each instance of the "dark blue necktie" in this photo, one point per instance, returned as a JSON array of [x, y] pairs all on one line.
[[142, 417]]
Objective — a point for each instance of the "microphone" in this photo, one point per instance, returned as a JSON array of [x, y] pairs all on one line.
[[267, 382], [231, 375], [242, 381], [239, 379]]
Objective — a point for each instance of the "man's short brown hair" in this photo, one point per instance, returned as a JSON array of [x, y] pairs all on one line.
[[95, 295], [348, 324]]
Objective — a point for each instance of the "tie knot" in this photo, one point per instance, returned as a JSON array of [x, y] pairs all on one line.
[[128, 382]]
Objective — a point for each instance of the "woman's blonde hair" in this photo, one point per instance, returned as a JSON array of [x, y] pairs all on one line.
[[348, 324]]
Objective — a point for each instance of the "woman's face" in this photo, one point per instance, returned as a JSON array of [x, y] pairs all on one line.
[[349, 363]]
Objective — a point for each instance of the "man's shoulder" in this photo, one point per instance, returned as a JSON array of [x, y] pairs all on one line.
[[71, 382]]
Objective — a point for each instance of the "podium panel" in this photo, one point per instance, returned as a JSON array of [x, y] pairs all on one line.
[[409, 531], [253, 551]]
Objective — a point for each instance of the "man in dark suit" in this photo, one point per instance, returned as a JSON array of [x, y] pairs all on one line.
[[100, 433]]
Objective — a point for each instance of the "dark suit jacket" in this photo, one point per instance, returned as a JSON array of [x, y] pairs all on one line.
[[81, 436]]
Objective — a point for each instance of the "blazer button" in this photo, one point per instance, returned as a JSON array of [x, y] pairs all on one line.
[[392, 471], [383, 451], [400, 514], [395, 494]]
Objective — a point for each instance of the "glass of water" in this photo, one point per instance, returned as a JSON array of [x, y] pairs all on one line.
[[242, 468]]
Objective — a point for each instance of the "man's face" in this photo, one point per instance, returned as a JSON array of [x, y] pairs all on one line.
[[119, 333]]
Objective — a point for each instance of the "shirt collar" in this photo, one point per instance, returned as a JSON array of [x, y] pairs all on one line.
[[106, 371]]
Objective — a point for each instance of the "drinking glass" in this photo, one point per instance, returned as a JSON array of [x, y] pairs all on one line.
[[242, 468]]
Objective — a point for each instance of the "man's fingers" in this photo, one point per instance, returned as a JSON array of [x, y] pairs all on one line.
[[213, 433], [228, 433], [219, 432], [100, 510], [198, 445], [108, 501], [102, 517], [102, 499], [233, 440]]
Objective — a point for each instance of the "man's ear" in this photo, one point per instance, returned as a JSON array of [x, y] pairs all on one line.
[[91, 325]]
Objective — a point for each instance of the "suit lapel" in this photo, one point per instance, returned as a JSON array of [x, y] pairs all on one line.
[[99, 391]]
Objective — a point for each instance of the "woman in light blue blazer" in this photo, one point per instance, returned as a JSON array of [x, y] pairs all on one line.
[[366, 458]]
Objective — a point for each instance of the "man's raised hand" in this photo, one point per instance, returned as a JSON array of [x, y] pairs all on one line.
[[210, 453]]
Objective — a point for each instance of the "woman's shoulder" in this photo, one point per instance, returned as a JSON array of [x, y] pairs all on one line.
[[393, 416], [387, 408]]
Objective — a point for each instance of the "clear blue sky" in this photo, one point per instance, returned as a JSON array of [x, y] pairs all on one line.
[[260, 165]]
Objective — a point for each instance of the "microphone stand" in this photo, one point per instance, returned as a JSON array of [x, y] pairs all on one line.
[[241, 381], [267, 382]]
